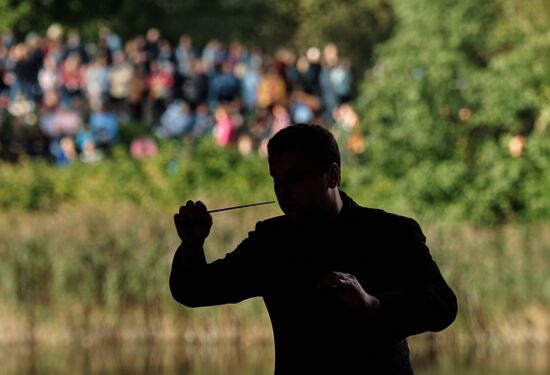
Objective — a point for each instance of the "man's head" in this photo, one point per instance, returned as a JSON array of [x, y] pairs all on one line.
[[304, 161], [316, 142]]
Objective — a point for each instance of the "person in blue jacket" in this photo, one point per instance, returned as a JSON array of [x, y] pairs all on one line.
[[344, 285]]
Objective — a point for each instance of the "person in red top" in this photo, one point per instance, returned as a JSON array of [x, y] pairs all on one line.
[[160, 82], [71, 77]]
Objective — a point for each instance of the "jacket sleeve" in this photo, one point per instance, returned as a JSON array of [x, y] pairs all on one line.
[[231, 279], [423, 300]]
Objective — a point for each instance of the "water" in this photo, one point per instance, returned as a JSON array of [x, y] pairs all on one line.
[[176, 360]]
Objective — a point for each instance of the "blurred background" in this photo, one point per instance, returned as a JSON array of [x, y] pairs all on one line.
[[112, 114]]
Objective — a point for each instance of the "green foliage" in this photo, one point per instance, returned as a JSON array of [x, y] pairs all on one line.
[[12, 13], [354, 26], [179, 172], [269, 24], [451, 88]]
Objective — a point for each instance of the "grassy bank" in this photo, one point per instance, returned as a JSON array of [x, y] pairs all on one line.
[[90, 274]]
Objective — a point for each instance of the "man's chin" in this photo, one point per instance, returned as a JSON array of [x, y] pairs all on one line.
[[292, 211], [299, 213]]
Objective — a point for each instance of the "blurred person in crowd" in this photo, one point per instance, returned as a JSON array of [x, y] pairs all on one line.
[[28, 68], [119, 81], [166, 54], [260, 129], [160, 83], [13, 139], [104, 127], [12, 147], [328, 92], [63, 150], [53, 43], [271, 89], [308, 69], [303, 106], [254, 58], [135, 53], [281, 118], [516, 145], [109, 43], [185, 55], [344, 285], [144, 146], [212, 53], [71, 77], [342, 80], [27, 61], [96, 82], [203, 123], [194, 88], [8, 38], [223, 85], [4, 80], [236, 54], [137, 93], [74, 45], [48, 75], [284, 65], [176, 121], [225, 129], [21, 107], [245, 144], [37, 143], [65, 121], [249, 76], [347, 130], [151, 45], [46, 112], [86, 147]]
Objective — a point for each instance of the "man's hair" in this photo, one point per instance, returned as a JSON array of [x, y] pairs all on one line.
[[316, 142]]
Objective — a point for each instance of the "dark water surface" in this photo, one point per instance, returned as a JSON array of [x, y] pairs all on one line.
[[164, 359]]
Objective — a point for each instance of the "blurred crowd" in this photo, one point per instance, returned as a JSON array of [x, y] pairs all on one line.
[[62, 99]]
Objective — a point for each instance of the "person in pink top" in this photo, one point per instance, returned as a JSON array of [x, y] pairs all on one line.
[[225, 129], [142, 147]]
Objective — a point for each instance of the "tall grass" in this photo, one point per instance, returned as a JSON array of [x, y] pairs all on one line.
[[93, 274]]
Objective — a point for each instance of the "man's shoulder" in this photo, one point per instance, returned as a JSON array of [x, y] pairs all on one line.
[[383, 218], [272, 223]]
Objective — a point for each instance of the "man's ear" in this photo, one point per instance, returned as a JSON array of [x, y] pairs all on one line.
[[333, 175]]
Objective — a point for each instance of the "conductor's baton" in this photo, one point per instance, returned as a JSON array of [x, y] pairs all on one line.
[[235, 207]]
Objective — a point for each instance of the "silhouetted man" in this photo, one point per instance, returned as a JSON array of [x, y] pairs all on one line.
[[344, 285]]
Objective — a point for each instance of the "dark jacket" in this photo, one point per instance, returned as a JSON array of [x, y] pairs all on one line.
[[283, 260]]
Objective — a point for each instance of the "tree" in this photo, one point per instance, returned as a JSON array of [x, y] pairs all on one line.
[[448, 92], [269, 24], [355, 26]]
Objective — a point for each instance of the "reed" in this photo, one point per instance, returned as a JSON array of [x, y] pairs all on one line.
[[90, 274]]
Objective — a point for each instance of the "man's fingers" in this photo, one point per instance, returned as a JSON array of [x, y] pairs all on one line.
[[193, 210], [328, 281], [190, 205], [334, 280], [187, 208], [201, 206]]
